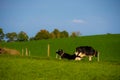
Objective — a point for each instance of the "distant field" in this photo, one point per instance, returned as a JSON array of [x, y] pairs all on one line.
[[40, 67], [107, 45]]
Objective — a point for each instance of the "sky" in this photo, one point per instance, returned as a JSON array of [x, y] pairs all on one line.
[[89, 17]]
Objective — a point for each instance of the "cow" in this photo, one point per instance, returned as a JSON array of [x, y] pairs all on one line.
[[63, 55], [83, 51]]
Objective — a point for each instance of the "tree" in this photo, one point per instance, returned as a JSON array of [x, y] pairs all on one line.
[[1, 34], [75, 34], [42, 34], [64, 34], [56, 32], [32, 38], [52, 35], [11, 36], [22, 36]]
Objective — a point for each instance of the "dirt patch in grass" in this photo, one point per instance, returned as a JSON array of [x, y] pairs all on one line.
[[9, 51]]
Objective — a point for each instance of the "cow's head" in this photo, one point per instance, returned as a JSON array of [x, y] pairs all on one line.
[[59, 52]]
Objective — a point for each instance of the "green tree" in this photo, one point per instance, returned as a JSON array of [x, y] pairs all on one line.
[[64, 34], [1, 34], [56, 32], [32, 38], [52, 35], [11, 36], [42, 34], [22, 36]]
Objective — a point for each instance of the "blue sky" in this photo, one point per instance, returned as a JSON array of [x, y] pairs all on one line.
[[89, 17]]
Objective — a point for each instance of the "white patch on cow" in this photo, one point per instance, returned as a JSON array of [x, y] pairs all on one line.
[[57, 56], [78, 58], [82, 54], [90, 58], [76, 53]]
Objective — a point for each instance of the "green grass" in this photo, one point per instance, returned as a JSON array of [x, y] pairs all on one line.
[[40, 67], [31, 68]]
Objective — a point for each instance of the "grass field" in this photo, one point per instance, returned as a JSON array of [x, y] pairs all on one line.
[[40, 67], [24, 68], [107, 45]]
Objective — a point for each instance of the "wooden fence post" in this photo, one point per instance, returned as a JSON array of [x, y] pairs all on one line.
[[26, 52], [29, 52], [48, 50], [98, 57]]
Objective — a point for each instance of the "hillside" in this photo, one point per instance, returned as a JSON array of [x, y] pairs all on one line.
[[107, 45], [41, 67]]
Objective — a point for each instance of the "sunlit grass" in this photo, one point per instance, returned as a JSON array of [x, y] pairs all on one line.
[[18, 68]]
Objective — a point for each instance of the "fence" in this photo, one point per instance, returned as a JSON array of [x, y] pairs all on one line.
[[26, 51]]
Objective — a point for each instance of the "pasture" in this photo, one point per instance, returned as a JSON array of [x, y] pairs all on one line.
[[40, 67]]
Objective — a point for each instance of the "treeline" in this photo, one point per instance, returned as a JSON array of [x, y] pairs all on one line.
[[42, 34]]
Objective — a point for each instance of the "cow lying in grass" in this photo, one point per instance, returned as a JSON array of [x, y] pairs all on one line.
[[63, 55], [80, 52], [83, 51]]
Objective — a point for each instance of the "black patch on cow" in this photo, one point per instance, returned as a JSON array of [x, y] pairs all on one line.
[[87, 50], [61, 53]]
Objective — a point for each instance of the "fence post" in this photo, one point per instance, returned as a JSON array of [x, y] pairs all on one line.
[[29, 52], [98, 57], [26, 52], [48, 50]]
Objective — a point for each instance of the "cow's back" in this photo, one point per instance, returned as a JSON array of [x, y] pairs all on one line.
[[88, 50]]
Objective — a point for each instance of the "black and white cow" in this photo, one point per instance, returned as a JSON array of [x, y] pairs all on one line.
[[63, 55], [83, 51]]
